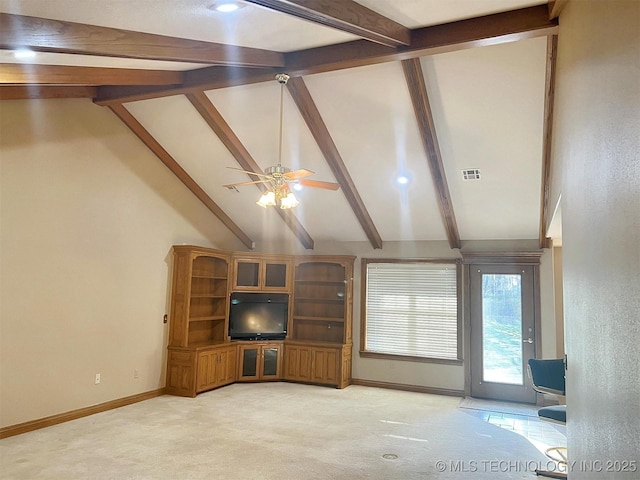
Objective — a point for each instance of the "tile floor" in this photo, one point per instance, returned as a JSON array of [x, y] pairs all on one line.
[[541, 434]]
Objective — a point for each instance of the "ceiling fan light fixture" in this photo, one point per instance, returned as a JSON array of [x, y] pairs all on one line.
[[268, 199], [289, 201]]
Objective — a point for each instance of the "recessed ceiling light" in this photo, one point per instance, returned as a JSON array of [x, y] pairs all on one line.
[[297, 187], [225, 6], [24, 53], [402, 179]]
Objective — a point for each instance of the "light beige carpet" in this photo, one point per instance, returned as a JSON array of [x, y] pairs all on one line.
[[275, 431]]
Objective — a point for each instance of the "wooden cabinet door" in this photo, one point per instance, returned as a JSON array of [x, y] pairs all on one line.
[[276, 277], [248, 366], [325, 362], [227, 366], [206, 376], [181, 374], [271, 362], [260, 274], [247, 274], [262, 361], [297, 363]]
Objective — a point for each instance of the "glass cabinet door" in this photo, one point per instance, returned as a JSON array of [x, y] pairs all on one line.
[[250, 362], [262, 274], [269, 361], [275, 275], [260, 362], [247, 274]]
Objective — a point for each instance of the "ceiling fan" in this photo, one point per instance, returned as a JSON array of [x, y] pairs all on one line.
[[277, 177]]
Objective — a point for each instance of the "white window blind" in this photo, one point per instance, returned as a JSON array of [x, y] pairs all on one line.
[[412, 310]]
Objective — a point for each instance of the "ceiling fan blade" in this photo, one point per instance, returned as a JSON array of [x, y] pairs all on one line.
[[231, 186], [303, 172], [249, 172], [319, 184]]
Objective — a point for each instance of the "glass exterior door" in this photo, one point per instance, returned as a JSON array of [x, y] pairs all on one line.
[[502, 331]]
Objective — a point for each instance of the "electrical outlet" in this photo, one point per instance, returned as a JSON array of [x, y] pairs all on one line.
[[136, 374], [97, 378]]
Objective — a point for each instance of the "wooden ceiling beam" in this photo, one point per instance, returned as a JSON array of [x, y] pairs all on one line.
[[29, 92], [153, 145], [224, 132], [29, 74], [345, 15], [426, 126], [499, 28], [45, 35], [318, 129], [547, 165], [474, 32], [195, 81]]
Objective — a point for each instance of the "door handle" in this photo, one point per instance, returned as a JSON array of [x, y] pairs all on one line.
[[527, 340]]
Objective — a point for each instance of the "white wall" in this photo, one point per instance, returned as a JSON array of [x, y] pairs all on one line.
[[597, 146], [88, 216]]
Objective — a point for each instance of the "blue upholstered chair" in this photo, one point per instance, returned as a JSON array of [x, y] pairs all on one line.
[[548, 377]]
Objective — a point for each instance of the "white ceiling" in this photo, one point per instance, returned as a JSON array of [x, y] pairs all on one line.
[[487, 104]]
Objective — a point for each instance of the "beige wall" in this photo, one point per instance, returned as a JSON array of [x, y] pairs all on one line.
[[393, 371], [558, 297], [597, 148], [88, 216]]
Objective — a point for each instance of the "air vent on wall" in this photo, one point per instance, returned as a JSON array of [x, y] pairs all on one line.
[[471, 174]]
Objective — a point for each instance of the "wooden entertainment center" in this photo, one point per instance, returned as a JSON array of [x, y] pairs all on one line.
[[317, 348]]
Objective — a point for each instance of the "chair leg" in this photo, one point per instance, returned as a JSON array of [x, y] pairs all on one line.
[[550, 474], [557, 454]]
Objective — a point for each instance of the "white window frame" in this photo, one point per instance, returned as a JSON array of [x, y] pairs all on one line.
[[388, 351]]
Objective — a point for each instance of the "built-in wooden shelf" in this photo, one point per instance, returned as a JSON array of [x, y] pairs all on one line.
[[338, 301], [204, 319], [319, 319], [318, 346]]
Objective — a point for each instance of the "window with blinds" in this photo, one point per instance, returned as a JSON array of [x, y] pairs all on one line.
[[412, 310]]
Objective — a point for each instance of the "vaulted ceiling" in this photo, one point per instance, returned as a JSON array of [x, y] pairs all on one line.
[[378, 89]]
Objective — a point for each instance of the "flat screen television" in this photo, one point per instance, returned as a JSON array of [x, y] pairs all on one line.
[[258, 316]]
